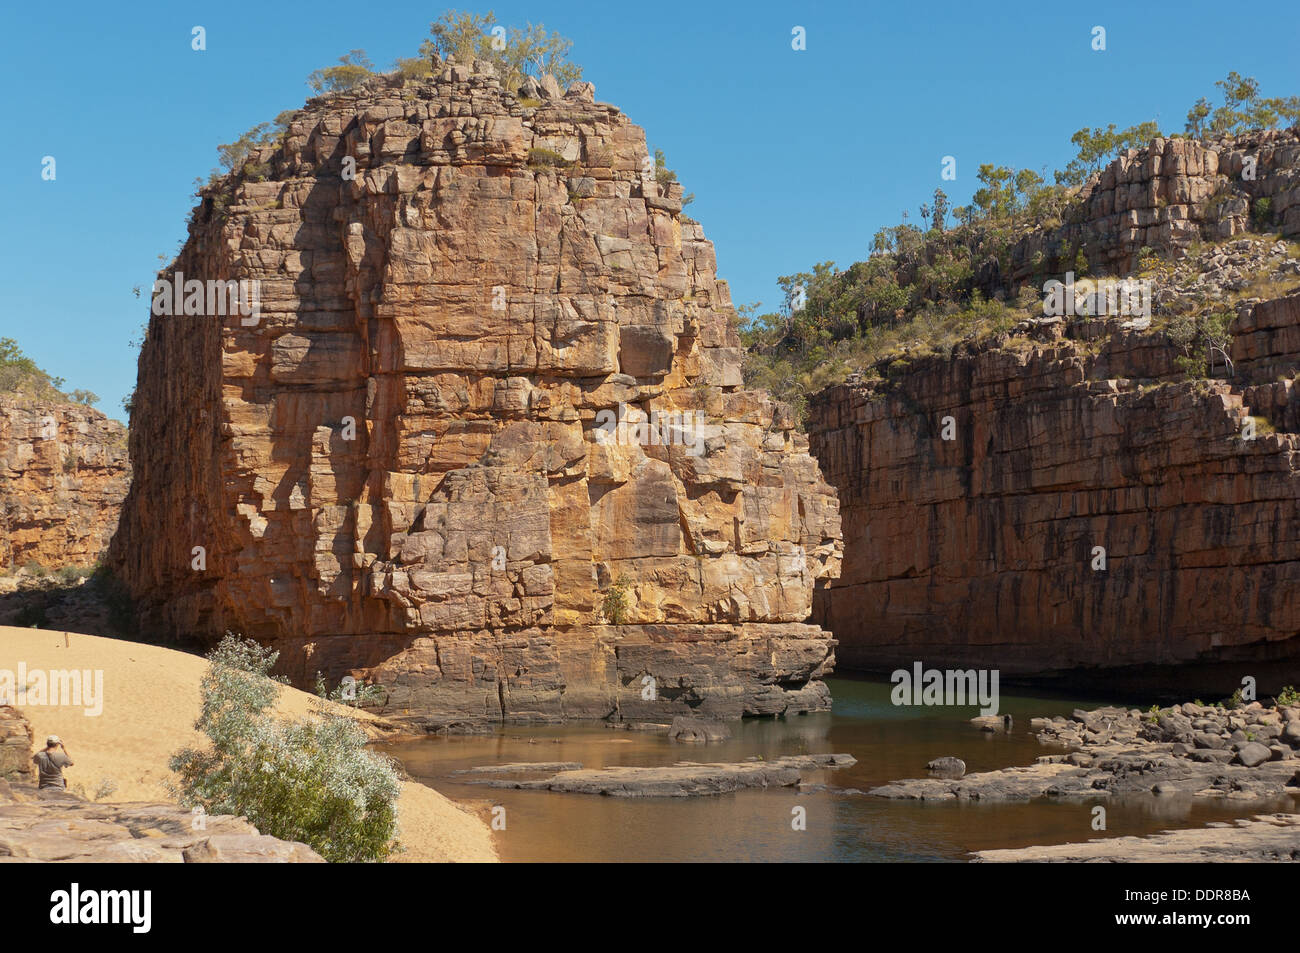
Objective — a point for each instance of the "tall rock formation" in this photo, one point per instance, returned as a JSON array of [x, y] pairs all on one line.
[[408, 466], [63, 477]]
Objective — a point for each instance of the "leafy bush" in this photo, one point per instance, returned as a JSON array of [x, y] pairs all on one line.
[[311, 780], [19, 374], [1261, 213], [539, 158], [1288, 696], [353, 69], [515, 52], [1243, 109], [1203, 338], [665, 176], [354, 695], [614, 608]]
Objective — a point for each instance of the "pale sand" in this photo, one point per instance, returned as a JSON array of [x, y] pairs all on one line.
[[151, 699]]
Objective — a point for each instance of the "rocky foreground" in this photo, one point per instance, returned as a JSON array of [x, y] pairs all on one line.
[[55, 825], [1240, 753], [1270, 837], [149, 701]]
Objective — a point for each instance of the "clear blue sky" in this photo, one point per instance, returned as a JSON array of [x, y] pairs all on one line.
[[794, 157]]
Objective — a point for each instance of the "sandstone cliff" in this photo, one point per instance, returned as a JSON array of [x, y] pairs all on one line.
[[979, 550], [403, 469], [63, 477], [1168, 196]]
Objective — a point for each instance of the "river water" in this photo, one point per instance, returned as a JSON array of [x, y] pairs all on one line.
[[889, 742]]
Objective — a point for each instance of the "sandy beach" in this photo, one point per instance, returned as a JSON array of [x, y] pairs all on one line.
[[149, 705]]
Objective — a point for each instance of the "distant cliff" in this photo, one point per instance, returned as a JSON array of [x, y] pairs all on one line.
[[63, 477], [1094, 494]]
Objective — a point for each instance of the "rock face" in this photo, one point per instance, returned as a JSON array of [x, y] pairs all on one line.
[[408, 467], [15, 746], [1167, 196], [55, 826], [63, 477], [986, 549]]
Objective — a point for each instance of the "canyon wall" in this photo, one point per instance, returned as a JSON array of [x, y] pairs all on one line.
[[404, 469], [982, 549], [63, 477]]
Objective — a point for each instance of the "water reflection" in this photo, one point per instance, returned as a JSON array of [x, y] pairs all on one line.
[[889, 742]]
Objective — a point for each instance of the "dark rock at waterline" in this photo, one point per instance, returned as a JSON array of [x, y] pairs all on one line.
[[698, 730], [684, 779], [947, 767], [522, 767]]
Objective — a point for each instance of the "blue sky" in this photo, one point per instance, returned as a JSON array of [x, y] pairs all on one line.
[[794, 157]]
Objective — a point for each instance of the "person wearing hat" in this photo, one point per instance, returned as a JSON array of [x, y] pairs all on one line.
[[51, 762]]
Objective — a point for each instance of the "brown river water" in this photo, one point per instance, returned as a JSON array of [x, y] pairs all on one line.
[[889, 742]]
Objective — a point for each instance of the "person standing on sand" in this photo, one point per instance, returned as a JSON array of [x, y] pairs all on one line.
[[51, 762]]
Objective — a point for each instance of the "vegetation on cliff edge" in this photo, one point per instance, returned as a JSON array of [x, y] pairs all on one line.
[[920, 291]]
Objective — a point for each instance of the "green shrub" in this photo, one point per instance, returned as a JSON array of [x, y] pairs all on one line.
[[1288, 696], [1203, 339], [19, 374], [311, 780], [352, 70], [69, 574], [539, 158], [514, 52], [1261, 213], [359, 695], [614, 607]]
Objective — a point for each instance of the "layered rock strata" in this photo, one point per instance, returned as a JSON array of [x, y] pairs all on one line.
[[1041, 505], [63, 477], [1167, 197], [485, 443]]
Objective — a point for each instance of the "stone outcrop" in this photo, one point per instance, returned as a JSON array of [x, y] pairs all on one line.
[[1190, 750], [683, 779], [985, 549], [15, 746], [56, 826], [1265, 837], [407, 467], [63, 477], [1167, 197]]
